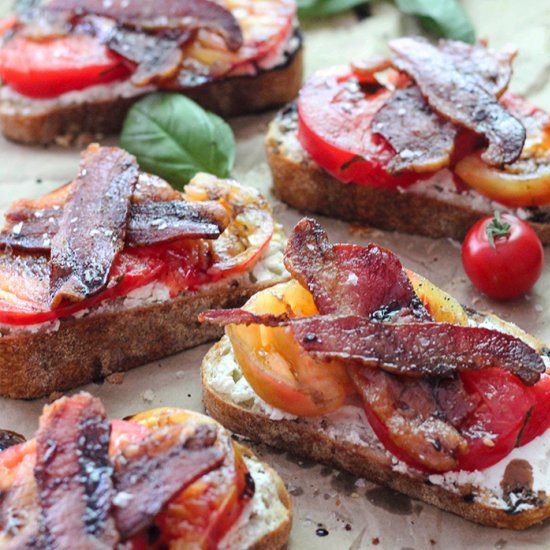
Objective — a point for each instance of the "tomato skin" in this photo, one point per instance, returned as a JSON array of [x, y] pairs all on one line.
[[334, 127], [45, 69], [512, 267], [492, 430]]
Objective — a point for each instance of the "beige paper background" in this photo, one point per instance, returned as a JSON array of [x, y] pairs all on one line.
[[356, 514]]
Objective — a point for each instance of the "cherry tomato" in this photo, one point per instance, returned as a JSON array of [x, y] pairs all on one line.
[[43, 69], [507, 264]]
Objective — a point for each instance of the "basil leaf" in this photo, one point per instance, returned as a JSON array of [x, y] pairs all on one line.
[[320, 8], [445, 18], [174, 138]]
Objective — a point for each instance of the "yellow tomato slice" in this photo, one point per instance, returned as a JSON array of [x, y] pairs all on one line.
[[525, 182], [441, 306], [273, 363]]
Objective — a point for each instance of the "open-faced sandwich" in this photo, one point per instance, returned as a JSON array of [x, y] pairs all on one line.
[[73, 67], [110, 271], [165, 478], [360, 364], [427, 142]]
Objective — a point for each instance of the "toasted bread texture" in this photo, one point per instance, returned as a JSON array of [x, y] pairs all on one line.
[[345, 440], [121, 334], [432, 208], [83, 121], [266, 521]]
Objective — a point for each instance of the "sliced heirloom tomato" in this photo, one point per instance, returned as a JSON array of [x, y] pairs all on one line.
[[200, 515], [273, 364], [265, 25], [334, 126], [525, 182], [49, 68], [244, 240]]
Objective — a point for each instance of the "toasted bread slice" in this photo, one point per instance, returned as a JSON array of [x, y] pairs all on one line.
[[120, 334], [433, 208], [344, 439], [266, 521], [87, 115]]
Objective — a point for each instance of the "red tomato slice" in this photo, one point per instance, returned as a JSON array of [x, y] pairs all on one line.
[[335, 116], [129, 272], [539, 419], [43, 69], [495, 427]]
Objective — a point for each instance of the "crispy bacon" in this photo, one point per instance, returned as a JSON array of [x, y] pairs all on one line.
[[24, 281], [148, 224], [423, 141], [425, 349], [157, 58], [150, 473], [417, 349], [237, 316], [73, 474], [413, 417], [93, 226], [491, 69], [460, 98], [162, 15], [349, 279]]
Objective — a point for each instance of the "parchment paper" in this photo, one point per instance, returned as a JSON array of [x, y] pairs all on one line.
[[356, 514]]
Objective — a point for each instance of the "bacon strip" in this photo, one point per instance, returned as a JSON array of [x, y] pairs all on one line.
[[417, 349], [148, 224], [424, 349], [413, 416], [150, 473], [349, 279], [163, 15], [73, 474], [491, 69], [157, 58], [460, 98], [423, 141], [93, 227]]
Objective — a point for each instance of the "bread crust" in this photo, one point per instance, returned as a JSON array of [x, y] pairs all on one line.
[[367, 462], [227, 97], [306, 187], [82, 350], [277, 538]]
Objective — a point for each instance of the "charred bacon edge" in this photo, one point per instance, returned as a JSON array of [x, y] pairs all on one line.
[[148, 224], [151, 472], [181, 15], [92, 228], [383, 344]]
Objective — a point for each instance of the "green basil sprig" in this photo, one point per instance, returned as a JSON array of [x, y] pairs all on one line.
[[445, 18], [174, 138]]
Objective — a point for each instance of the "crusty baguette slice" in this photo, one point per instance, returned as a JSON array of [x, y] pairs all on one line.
[[432, 208], [266, 521], [345, 440], [121, 334], [26, 122]]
